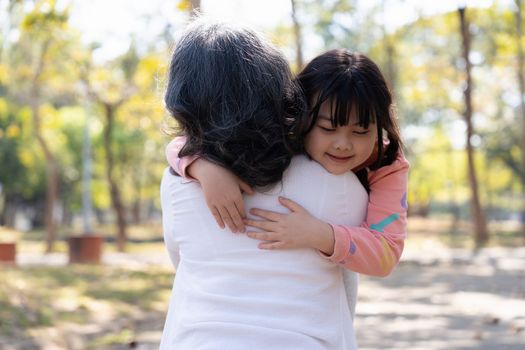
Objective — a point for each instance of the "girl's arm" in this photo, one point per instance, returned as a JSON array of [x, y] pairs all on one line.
[[179, 165], [222, 189], [374, 248]]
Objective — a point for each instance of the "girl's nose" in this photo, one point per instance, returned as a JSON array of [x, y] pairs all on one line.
[[342, 143]]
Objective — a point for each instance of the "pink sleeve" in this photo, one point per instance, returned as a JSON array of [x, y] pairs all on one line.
[[374, 248], [179, 165]]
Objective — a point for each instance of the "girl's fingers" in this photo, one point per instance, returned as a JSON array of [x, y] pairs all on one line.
[[263, 225], [264, 236], [236, 217], [246, 188], [266, 214], [217, 217], [239, 205], [271, 245], [225, 216], [290, 204]]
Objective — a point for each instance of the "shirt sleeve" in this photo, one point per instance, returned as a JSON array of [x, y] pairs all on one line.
[[179, 165], [375, 247]]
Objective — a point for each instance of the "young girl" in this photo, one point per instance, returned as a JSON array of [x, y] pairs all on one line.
[[351, 127]]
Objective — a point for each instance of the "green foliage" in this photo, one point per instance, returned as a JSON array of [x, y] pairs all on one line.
[[22, 171], [337, 24]]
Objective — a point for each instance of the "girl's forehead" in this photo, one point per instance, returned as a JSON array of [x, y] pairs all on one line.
[[330, 106], [329, 109]]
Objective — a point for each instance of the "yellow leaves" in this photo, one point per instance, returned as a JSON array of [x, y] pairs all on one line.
[[3, 73], [13, 131], [100, 194], [74, 116], [3, 107], [436, 170], [52, 127], [27, 157], [49, 116], [108, 83], [150, 70], [184, 5], [24, 72], [44, 18], [24, 114]]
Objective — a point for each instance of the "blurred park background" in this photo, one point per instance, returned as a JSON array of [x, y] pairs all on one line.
[[82, 137]]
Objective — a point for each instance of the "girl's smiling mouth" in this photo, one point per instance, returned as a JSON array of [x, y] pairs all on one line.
[[338, 159]]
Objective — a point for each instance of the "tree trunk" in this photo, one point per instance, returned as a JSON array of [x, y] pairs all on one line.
[[521, 84], [454, 207], [298, 40], [87, 206], [423, 210], [52, 181], [195, 7], [480, 224], [9, 209], [116, 201], [390, 66], [389, 56], [51, 163]]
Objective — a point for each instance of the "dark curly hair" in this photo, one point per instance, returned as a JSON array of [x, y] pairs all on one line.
[[233, 96]]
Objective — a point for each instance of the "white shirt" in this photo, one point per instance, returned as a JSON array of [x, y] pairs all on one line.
[[230, 295]]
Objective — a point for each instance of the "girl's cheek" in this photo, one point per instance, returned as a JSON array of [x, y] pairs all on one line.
[[309, 143]]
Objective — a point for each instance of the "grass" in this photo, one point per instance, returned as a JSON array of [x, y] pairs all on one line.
[[43, 297], [124, 336]]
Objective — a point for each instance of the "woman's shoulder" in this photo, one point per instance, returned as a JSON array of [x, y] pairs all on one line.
[[304, 165], [301, 162], [304, 170], [172, 181]]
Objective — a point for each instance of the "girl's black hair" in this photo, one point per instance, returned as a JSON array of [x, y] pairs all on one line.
[[354, 83], [233, 96]]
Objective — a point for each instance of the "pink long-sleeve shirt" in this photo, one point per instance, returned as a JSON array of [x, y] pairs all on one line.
[[373, 248]]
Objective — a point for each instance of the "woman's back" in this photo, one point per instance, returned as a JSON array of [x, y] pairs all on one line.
[[228, 294]]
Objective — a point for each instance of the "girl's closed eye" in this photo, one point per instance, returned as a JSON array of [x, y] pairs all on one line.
[[325, 128], [325, 123], [361, 132]]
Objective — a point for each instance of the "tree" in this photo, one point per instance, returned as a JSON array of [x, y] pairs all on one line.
[[297, 34], [480, 224], [195, 6], [110, 108], [192, 6], [389, 49], [521, 85], [42, 26]]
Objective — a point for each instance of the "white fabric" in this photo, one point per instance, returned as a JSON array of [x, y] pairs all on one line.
[[230, 295]]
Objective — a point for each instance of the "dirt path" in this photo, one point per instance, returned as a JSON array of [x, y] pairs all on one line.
[[451, 300]]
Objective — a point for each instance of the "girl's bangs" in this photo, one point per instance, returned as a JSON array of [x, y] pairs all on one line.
[[349, 100]]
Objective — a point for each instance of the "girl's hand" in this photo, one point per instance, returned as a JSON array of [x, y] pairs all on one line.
[[297, 229], [222, 190]]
